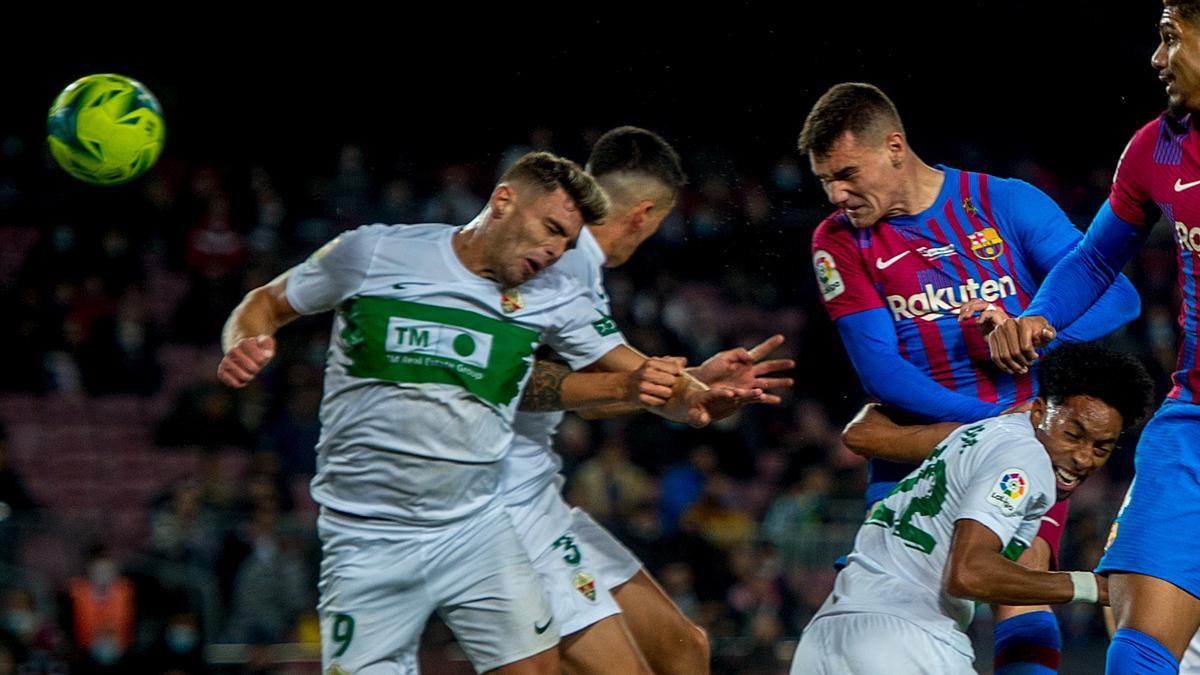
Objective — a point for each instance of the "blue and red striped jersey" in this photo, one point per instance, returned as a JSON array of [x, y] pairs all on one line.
[[983, 237], [1159, 172]]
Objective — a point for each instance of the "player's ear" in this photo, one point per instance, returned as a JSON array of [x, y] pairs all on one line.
[[1037, 412], [503, 200], [640, 213], [896, 147]]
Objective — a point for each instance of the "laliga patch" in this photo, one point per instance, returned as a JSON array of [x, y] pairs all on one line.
[[586, 584], [1009, 491], [828, 278]]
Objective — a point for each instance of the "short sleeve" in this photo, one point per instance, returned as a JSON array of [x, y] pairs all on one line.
[[1130, 195], [585, 334], [842, 281], [1010, 485], [335, 272]]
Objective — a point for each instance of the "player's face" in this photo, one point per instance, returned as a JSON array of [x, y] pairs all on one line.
[[858, 177], [1177, 61], [538, 228], [1079, 434]]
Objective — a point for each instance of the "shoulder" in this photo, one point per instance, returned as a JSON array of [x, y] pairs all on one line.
[[1145, 143], [557, 284], [576, 264], [834, 230], [1010, 440]]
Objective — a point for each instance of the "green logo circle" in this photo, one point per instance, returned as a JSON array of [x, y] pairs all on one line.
[[464, 345]]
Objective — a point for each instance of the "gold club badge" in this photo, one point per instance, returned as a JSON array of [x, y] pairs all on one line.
[[511, 300], [586, 584], [986, 244]]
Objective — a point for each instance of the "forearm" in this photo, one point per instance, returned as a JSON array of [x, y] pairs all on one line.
[[1118, 306], [263, 311], [870, 342], [553, 387], [1084, 275], [898, 443], [995, 579]]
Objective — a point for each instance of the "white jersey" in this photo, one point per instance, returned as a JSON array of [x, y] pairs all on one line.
[[532, 463], [995, 472], [426, 366]]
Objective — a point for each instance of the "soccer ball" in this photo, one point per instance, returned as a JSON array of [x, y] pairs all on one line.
[[105, 129]]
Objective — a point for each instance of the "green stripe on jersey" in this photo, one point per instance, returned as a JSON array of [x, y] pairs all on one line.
[[401, 341]]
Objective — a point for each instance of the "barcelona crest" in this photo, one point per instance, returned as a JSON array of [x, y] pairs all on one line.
[[586, 584], [986, 244]]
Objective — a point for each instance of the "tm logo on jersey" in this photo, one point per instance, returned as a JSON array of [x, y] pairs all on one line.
[[1009, 491], [423, 341], [934, 303]]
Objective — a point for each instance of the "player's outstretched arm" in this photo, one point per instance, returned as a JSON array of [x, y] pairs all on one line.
[[977, 571], [248, 338], [874, 350], [873, 434], [646, 383]]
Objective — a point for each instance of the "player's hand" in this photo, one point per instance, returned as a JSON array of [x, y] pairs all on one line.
[[1014, 342], [990, 315], [742, 368], [652, 383], [243, 362], [699, 407]]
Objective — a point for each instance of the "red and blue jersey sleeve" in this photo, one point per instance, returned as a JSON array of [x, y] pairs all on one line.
[[1130, 195], [842, 278]]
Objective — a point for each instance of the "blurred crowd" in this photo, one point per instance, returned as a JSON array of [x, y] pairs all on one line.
[[740, 522]]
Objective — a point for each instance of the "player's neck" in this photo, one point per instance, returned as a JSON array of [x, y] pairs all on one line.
[[470, 246], [605, 237], [924, 184]]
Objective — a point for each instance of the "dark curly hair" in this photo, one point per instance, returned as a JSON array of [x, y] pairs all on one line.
[[1189, 10], [1088, 369]]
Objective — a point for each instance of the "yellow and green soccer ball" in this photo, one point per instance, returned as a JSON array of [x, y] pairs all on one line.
[[106, 129]]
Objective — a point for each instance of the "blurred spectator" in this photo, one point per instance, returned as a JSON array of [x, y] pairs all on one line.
[[38, 644], [179, 649], [683, 485], [610, 486], [796, 516], [455, 202], [206, 414], [102, 614], [269, 588], [118, 355]]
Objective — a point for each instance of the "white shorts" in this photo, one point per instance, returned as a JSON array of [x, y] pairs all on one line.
[[1190, 665], [869, 644], [614, 563], [565, 562], [381, 581]]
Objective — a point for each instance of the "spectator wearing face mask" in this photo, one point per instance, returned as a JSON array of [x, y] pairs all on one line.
[[180, 648], [37, 643], [102, 615]]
